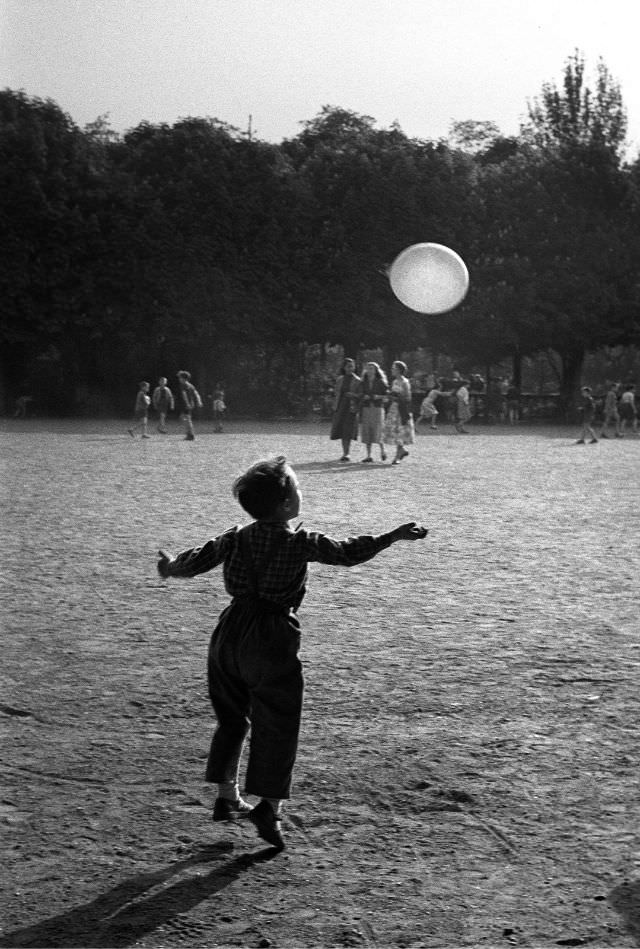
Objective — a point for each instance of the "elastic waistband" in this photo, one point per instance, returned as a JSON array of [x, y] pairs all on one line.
[[262, 606]]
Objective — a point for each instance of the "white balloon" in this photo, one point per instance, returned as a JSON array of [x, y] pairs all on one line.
[[429, 278]]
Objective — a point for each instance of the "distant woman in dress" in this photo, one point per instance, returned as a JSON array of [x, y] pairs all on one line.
[[463, 407], [373, 392], [344, 424], [398, 425]]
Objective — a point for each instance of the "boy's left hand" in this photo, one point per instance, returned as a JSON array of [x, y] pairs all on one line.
[[163, 564], [411, 531]]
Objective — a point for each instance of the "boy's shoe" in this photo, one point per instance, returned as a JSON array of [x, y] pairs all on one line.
[[226, 810], [580, 441], [267, 824], [189, 437]]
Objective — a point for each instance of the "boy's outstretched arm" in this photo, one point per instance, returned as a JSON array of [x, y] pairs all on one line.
[[189, 563], [356, 550]]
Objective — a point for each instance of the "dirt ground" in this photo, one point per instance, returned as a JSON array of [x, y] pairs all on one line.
[[468, 769]]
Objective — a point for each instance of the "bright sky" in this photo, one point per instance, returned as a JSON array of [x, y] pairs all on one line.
[[424, 63]]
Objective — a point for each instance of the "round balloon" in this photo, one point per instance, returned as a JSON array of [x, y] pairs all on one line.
[[429, 278]]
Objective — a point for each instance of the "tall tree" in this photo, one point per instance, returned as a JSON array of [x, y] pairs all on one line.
[[575, 217], [50, 187], [576, 116]]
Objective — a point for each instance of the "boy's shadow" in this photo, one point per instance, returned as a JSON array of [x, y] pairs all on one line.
[[122, 916], [625, 899]]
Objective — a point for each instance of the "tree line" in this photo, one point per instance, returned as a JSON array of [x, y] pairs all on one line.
[[197, 246]]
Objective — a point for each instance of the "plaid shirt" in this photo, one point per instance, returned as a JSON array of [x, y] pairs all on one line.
[[280, 557]]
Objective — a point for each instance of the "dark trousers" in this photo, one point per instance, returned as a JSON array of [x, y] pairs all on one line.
[[255, 682]]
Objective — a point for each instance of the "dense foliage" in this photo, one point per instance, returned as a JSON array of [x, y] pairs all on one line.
[[196, 246]]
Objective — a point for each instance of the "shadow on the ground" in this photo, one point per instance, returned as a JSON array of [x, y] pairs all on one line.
[[339, 466], [124, 915], [625, 899]]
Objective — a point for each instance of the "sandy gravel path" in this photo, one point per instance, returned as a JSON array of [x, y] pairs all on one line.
[[468, 770]]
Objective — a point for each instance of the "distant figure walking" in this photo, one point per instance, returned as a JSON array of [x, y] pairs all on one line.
[[610, 414], [22, 406], [163, 403], [513, 403], [141, 411], [627, 409], [344, 424], [373, 392], [398, 428], [463, 407], [190, 400], [219, 408], [587, 408]]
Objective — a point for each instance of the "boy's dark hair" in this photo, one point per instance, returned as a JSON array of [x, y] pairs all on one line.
[[263, 487]]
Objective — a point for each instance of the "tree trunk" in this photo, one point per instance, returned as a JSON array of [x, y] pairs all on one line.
[[517, 371], [572, 362]]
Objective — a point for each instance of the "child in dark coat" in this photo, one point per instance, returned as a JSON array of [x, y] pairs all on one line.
[[255, 675]]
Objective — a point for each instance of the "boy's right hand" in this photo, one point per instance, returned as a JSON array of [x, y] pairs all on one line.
[[410, 531], [163, 564]]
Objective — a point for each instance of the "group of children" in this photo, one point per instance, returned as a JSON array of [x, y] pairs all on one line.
[[459, 393], [618, 411], [163, 402]]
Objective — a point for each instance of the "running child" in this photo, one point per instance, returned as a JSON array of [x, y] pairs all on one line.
[[428, 408]]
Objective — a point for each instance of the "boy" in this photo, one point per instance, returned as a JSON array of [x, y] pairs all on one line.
[[627, 409], [190, 400], [219, 408], [588, 410], [610, 414], [141, 410], [163, 403], [255, 675]]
